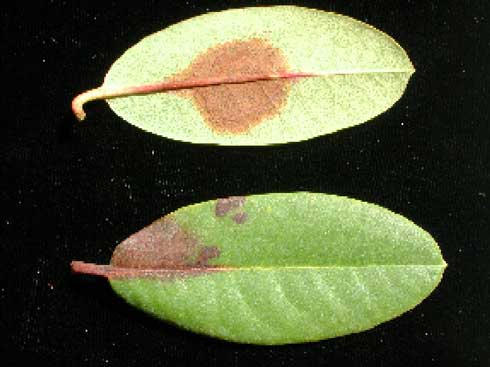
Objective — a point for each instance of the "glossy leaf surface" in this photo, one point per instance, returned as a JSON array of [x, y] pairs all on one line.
[[276, 268], [256, 76]]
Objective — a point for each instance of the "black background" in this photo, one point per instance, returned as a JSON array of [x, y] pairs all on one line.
[[73, 191]]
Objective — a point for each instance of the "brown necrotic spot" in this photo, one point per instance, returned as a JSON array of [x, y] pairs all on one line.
[[207, 253], [162, 245], [240, 218], [231, 107], [223, 206]]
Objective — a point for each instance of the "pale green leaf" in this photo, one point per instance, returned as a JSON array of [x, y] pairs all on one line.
[[349, 72]]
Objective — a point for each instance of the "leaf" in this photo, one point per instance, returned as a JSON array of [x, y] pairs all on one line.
[[276, 268], [255, 76]]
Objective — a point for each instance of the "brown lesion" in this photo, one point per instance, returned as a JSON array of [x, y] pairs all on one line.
[[205, 254], [165, 250], [164, 244], [236, 107], [224, 206], [231, 207], [162, 250], [240, 218]]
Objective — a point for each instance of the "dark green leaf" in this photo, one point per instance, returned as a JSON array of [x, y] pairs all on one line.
[[276, 268]]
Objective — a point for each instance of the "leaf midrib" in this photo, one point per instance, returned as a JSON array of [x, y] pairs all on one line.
[[109, 271], [121, 272], [304, 267]]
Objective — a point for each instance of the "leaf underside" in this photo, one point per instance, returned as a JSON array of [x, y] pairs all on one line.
[[285, 268], [355, 72]]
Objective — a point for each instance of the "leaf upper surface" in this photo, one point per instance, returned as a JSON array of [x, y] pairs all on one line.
[[288, 268]]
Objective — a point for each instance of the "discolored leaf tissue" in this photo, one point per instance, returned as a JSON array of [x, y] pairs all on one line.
[[276, 268], [255, 76]]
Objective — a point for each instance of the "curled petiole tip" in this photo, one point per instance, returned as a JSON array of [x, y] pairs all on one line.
[[80, 100]]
